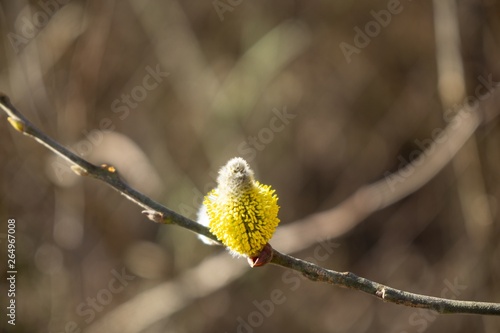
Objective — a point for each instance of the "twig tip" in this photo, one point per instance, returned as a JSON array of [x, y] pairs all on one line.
[[4, 98]]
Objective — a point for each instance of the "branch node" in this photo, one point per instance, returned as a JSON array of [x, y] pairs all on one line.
[[381, 293], [79, 170], [263, 257], [17, 124], [109, 168], [154, 216], [111, 171]]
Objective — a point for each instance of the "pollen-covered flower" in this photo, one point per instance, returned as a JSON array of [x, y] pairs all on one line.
[[240, 211]]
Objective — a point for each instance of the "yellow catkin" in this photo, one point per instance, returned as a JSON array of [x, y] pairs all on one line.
[[242, 213]]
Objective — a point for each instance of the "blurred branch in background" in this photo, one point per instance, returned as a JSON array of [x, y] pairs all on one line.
[[378, 115], [372, 198], [452, 91]]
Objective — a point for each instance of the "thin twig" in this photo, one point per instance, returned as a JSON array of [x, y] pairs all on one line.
[[388, 294], [105, 173], [159, 213]]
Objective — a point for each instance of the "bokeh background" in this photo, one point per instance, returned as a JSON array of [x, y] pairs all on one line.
[[168, 91]]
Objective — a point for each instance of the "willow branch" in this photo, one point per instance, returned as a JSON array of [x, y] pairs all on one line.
[[159, 213], [105, 173], [388, 294]]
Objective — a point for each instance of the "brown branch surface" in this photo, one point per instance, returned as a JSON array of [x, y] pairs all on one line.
[[161, 214]]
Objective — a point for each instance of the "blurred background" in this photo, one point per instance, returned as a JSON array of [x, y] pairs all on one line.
[[321, 98]]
